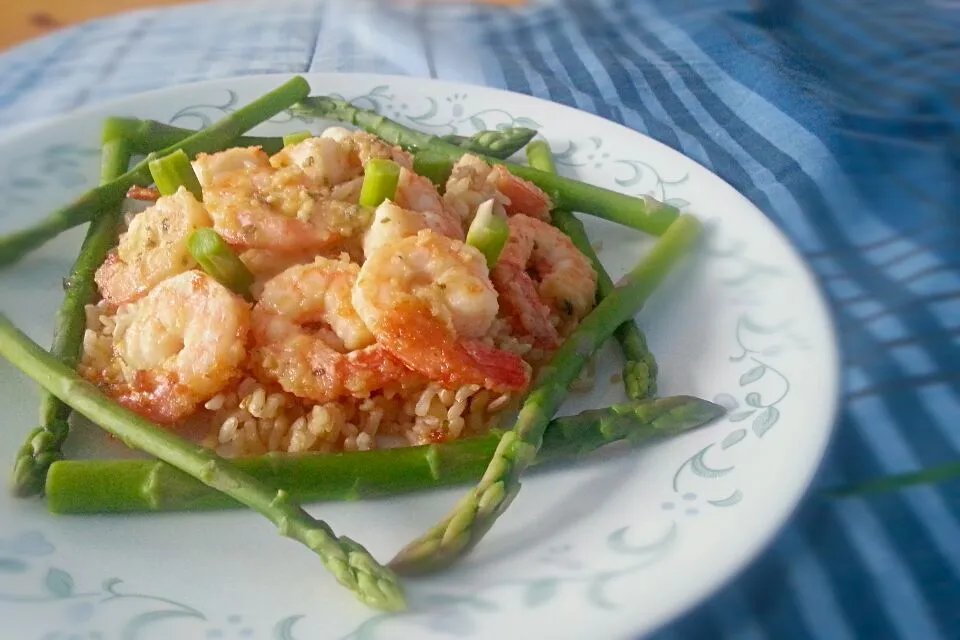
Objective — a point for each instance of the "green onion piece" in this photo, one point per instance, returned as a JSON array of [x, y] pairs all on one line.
[[380, 178], [174, 171], [434, 167], [220, 261], [295, 137], [488, 233], [539, 156]]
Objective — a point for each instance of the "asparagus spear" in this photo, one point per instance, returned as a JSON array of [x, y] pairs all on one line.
[[296, 137], [114, 486], [433, 166], [218, 258], [147, 136], [174, 171], [501, 143], [639, 367], [380, 179], [218, 136], [350, 563], [476, 513], [643, 213], [42, 446], [488, 233]]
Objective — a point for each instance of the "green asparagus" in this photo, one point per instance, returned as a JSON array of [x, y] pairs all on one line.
[[174, 171], [149, 136], [435, 167], [219, 135], [476, 513], [488, 233], [380, 179], [125, 486], [146, 136], [643, 213], [501, 143], [350, 563], [218, 259], [296, 137], [42, 446], [640, 367]]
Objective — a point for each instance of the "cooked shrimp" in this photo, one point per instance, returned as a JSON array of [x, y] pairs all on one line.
[[427, 299], [177, 347], [265, 264], [525, 197], [210, 166], [153, 248], [366, 146], [418, 207], [566, 282], [337, 155], [472, 182], [310, 339], [279, 210]]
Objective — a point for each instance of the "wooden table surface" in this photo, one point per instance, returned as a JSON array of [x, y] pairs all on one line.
[[21, 20]]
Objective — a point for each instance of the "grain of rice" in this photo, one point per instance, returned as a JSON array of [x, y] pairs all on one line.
[[425, 401], [228, 430], [499, 402], [319, 420], [455, 427], [466, 391], [253, 403], [280, 427], [364, 442], [301, 438], [215, 403]]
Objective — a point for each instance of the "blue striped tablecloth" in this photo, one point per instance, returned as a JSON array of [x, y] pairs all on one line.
[[840, 120]]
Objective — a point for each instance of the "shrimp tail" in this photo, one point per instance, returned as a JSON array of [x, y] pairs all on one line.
[[525, 197], [415, 338], [510, 373]]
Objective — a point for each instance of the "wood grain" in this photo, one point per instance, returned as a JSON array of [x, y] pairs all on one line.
[[21, 20]]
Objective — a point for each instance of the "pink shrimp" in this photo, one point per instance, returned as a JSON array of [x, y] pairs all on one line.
[[565, 286], [152, 249], [257, 207], [428, 299], [473, 182], [310, 340], [525, 197], [175, 348], [418, 206]]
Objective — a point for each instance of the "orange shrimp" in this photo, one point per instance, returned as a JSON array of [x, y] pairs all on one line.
[[566, 284], [337, 155], [428, 299], [279, 209], [152, 249], [418, 207], [472, 182], [310, 340], [525, 197], [175, 348]]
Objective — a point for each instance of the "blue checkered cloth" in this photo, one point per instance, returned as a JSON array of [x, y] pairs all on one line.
[[840, 120]]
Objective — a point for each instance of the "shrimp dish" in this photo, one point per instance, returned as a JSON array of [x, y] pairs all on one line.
[[365, 325]]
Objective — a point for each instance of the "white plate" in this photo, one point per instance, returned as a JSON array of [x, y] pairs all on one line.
[[612, 547]]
